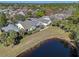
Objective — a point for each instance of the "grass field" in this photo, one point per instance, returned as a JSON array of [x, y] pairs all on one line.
[[30, 41]]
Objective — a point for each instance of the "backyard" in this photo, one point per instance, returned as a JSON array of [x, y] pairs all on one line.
[[30, 41]]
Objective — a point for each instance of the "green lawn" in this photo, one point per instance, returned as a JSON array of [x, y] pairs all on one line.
[[1, 45]]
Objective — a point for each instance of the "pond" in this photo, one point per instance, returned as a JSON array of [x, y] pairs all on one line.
[[51, 48]]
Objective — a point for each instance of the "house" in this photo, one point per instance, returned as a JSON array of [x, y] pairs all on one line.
[[21, 13], [45, 20], [10, 27], [35, 22], [25, 25], [59, 16]]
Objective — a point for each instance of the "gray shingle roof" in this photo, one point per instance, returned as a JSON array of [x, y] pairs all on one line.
[[10, 27], [26, 24], [35, 22], [44, 19]]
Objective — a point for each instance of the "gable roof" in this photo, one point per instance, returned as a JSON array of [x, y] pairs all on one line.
[[35, 22], [26, 24], [10, 27], [44, 19]]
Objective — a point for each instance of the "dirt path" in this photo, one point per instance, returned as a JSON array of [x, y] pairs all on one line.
[[32, 40]]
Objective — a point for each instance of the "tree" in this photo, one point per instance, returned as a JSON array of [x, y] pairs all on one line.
[[72, 35], [3, 19], [3, 37], [12, 34], [39, 13], [22, 32], [11, 38], [8, 41], [27, 16], [18, 17]]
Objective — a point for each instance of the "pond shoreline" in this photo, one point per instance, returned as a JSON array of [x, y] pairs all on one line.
[[28, 42], [27, 52]]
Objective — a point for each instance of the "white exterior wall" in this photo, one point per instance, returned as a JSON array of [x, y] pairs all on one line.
[[49, 21], [19, 26], [45, 24]]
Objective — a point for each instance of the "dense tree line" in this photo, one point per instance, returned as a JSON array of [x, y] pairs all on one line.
[[71, 25], [3, 19], [10, 38]]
